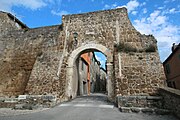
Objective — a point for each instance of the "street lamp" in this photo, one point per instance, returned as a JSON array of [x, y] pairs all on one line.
[[75, 35]]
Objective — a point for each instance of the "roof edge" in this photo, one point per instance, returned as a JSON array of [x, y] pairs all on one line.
[[173, 52], [16, 20]]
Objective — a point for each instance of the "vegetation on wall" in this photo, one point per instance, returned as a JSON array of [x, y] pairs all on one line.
[[125, 47], [151, 48]]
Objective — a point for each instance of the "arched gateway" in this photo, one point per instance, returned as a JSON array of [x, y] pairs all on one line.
[[72, 81], [41, 61]]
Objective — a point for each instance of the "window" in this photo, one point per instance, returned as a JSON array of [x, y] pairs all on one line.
[[167, 68]]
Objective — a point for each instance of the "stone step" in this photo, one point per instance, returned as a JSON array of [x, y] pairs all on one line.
[[139, 101], [7, 105], [145, 110], [8, 102]]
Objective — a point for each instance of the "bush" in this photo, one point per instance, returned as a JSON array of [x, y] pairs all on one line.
[[150, 48], [124, 47]]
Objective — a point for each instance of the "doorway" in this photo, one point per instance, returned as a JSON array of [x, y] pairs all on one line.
[[72, 76]]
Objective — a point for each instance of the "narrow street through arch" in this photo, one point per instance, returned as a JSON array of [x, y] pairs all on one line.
[[82, 83], [90, 73]]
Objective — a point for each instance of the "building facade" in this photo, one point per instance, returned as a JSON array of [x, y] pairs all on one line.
[[172, 67], [89, 73], [83, 77], [95, 73], [103, 79]]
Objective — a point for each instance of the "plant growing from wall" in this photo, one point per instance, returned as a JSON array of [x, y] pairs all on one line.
[[151, 48], [125, 47]]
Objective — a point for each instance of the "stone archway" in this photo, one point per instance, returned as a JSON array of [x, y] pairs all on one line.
[[70, 89]]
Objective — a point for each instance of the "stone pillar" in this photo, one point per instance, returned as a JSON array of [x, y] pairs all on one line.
[[110, 81], [69, 82], [80, 87]]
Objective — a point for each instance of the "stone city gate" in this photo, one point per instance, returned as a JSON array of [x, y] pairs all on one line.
[[40, 61]]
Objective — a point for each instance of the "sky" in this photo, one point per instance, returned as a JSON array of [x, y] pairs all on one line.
[[160, 18]]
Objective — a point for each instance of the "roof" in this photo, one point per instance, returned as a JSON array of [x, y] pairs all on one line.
[[173, 52], [101, 68], [15, 19]]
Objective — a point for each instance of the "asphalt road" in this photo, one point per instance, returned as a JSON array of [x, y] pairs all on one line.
[[94, 107]]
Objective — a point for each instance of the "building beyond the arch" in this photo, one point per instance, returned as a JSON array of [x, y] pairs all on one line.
[[39, 61]]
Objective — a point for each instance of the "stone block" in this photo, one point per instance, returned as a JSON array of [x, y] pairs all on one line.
[[19, 106], [10, 100], [48, 98], [22, 97], [141, 97], [154, 98], [125, 109], [147, 110], [162, 111], [135, 109]]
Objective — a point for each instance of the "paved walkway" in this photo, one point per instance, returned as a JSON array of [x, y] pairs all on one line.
[[94, 107]]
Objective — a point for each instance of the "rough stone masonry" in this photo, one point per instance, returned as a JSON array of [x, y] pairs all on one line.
[[41, 61]]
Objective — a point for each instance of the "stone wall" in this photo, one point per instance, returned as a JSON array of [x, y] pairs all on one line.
[[22, 48], [9, 23], [171, 99], [142, 74], [35, 61]]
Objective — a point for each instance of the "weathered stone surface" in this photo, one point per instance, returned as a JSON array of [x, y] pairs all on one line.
[[35, 61], [125, 109], [162, 111], [135, 109], [9, 23], [147, 110], [140, 101], [171, 99], [26, 47]]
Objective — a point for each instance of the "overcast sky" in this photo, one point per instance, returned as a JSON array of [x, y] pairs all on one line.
[[158, 17]]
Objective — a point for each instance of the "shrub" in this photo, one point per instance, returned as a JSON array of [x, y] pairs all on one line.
[[124, 47], [151, 48]]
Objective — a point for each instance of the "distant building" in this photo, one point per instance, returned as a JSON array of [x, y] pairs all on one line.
[[84, 73], [95, 74], [93, 71], [172, 67], [103, 79], [83, 76], [91, 76]]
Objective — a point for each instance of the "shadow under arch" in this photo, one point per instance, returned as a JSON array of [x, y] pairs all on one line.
[[71, 86]]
